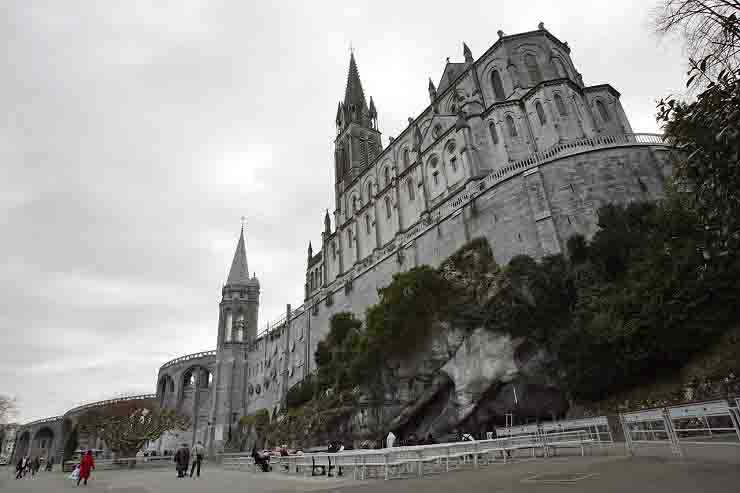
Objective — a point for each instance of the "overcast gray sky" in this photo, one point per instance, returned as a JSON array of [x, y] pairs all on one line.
[[134, 135]]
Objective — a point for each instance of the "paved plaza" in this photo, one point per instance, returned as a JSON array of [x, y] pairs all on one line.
[[706, 471]]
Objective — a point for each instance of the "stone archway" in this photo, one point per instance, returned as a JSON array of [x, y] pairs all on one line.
[[43, 443], [24, 444]]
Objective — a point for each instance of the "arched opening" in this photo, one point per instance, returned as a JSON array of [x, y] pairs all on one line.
[[535, 76], [494, 134], [560, 105], [603, 112], [23, 445], [367, 223], [369, 191], [387, 176], [354, 204], [43, 442], [410, 186], [560, 68], [406, 158], [511, 126], [387, 208], [498, 87], [228, 325], [165, 388], [540, 113]]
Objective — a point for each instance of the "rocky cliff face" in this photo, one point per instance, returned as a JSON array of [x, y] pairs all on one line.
[[460, 377]]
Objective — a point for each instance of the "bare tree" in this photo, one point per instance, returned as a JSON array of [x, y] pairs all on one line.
[[126, 426], [7, 408], [711, 31]]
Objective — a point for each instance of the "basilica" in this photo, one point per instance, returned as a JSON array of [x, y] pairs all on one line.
[[514, 147]]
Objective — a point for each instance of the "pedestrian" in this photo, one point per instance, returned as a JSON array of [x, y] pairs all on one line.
[[197, 454], [19, 467], [182, 460], [87, 464], [49, 464], [260, 459], [390, 440], [35, 466]]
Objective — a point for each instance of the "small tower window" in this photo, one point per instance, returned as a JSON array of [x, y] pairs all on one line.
[[498, 88], [453, 164], [367, 223], [560, 105], [387, 176], [369, 191], [535, 76], [435, 176], [511, 126], [334, 250], [406, 158], [354, 204], [603, 113], [349, 238], [540, 112], [410, 185], [387, 208], [494, 135]]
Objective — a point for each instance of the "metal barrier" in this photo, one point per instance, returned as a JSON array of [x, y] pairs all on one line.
[[416, 460], [704, 423], [596, 427]]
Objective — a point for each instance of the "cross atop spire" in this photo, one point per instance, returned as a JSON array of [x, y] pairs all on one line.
[[239, 272]]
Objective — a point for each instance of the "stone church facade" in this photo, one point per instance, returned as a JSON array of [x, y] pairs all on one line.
[[513, 147]]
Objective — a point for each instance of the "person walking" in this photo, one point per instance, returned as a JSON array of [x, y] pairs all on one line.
[[197, 454], [35, 466], [19, 467], [87, 464], [182, 460]]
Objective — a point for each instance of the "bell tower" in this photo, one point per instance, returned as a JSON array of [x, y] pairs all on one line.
[[358, 139], [237, 329]]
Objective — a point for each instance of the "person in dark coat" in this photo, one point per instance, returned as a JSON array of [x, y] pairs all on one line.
[[260, 460], [182, 460]]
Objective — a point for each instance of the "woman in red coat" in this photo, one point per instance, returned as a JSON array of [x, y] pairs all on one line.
[[87, 464]]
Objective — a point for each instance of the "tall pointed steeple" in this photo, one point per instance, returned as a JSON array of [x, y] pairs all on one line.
[[354, 95], [239, 273]]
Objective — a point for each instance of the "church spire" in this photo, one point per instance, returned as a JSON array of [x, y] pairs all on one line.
[[354, 94], [239, 272]]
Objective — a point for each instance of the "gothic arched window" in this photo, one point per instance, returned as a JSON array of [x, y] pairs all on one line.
[[603, 113], [367, 223], [410, 185], [560, 68], [494, 135], [406, 158], [511, 126], [498, 87], [540, 113], [560, 105], [387, 208], [369, 191], [387, 176], [354, 203], [535, 76]]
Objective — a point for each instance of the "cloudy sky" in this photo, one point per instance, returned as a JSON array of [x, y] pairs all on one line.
[[134, 135]]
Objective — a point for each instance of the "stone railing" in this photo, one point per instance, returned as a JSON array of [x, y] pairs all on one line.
[[188, 357], [41, 421], [109, 402]]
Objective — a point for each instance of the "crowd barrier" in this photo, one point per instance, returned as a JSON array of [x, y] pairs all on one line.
[[417, 460], [704, 423]]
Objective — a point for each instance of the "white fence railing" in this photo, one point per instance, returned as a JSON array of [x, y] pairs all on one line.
[[704, 423], [188, 357], [416, 460]]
